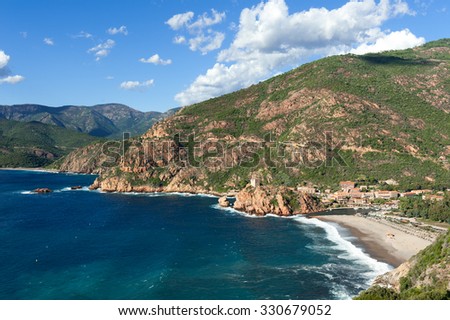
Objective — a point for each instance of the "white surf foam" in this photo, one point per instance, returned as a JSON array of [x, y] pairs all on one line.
[[63, 189], [350, 251], [162, 194], [187, 194], [370, 267], [236, 212]]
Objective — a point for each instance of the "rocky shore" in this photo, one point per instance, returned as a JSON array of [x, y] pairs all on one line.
[[117, 184], [281, 201], [259, 201]]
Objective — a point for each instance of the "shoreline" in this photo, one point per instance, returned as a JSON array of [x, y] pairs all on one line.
[[369, 234], [31, 169], [380, 241], [45, 170]]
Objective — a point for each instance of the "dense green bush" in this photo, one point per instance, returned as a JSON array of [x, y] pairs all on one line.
[[432, 262], [426, 209]]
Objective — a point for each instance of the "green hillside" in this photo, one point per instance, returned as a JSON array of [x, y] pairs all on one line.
[[370, 117], [34, 144], [428, 277], [105, 120]]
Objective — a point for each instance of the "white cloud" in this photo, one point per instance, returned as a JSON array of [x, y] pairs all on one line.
[[156, 59], [4, 72], [109, 78], [205, 21], [49, 41], [270, 39], [12, 79], [122, 29], [220, 79], [179, 39], [103, 49], [205, 43], [396, 40], [83, 34], [136, 85], [24, 34], [180, 20], [199, 39], [4, 59]]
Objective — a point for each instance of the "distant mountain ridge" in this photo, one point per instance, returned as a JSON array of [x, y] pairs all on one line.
[[103, 120], [36, 144]]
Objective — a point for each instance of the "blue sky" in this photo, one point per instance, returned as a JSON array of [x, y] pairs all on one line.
[[155, 55]]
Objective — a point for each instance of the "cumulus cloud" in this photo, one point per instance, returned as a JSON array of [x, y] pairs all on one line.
[[103, 49], [396, 40], [206, 42], [113, 31], [206, 21], [12, 79], [5, 76], [270, 39], [136, 85], [201, 37], [156, 59], [180, 20], [4, 59], [49, 41]]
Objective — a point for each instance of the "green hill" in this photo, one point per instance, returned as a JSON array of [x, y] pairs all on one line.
[[106, 120], [425, 276], [370, 117], [34, 144]]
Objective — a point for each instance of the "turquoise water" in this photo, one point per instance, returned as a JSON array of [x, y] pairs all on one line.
[[80, 244]]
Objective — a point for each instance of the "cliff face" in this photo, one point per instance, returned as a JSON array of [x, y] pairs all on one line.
[[148, 182], [281, 201], [89, 159]]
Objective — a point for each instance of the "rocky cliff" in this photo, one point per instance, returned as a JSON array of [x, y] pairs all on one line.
[[277, 200]]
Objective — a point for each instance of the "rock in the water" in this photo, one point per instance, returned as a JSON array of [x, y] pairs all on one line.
[[76, 187], [42, 190], [223, 202]]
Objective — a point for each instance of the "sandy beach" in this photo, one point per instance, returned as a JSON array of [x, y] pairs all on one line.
[[381, 240]]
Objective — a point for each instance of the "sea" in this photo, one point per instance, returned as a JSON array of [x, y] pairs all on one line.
[[82, 244]]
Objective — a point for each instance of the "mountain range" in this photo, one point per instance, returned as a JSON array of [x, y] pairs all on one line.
[[35, 135], [35, 144], [103, 120]]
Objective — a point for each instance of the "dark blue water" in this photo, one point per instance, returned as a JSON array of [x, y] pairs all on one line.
[[90, 245]]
